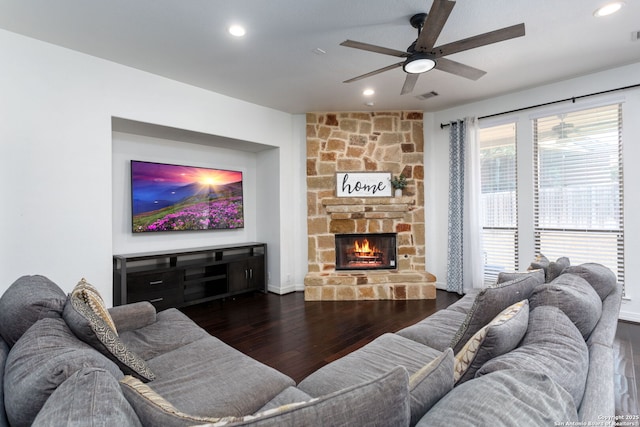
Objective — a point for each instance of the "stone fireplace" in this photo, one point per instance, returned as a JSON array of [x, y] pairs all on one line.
[[365, 142]]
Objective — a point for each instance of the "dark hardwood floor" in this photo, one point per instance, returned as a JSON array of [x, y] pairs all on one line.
[[298, 337]]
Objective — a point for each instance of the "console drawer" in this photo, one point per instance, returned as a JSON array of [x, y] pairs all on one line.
[[153, 281]]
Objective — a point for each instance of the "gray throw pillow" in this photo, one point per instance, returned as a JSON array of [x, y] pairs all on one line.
[[28, 299], [601, 278], [490, 302], [552, 346], [381, 402], [503, 399], [498, 337], [556, 268], [575, 297], [42, 359], [90, 396], [4, 352], [429, 384], [93, 330]]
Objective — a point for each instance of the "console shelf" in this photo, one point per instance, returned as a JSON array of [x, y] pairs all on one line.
[[189, 276]]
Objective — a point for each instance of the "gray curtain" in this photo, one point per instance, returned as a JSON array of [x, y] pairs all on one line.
[[455, 254]]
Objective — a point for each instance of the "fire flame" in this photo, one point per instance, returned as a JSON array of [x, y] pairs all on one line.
[[364, 248]]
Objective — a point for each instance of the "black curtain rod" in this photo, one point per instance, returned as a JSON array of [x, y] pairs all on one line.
[[572, 99]]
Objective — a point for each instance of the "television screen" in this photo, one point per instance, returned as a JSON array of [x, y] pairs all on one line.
[[172, 198]]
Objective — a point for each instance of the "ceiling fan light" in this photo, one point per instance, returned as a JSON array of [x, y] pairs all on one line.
[[418, 63], [608, 9]]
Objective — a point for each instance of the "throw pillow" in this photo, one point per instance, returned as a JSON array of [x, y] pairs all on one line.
[[90, 396], [44, 357], [93, 330], [504, 399], [491, 301], [90, 296], [552, 346], [556, 268], [28, 299], [429, 384], [540, 262], [4, 352], [380, 402], [602, 279], [575, 297], [500, 336]]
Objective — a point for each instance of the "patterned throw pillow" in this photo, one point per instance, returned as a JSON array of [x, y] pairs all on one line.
[[382, 401], [500, 336], [93, 330], [90, 296]]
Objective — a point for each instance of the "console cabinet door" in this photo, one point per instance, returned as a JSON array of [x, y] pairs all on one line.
[[246, 274]]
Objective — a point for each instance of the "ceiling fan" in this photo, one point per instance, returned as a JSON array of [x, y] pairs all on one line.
[[422, 56]]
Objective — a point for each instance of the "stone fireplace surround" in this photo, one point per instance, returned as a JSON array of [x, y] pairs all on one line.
[[366, 142]]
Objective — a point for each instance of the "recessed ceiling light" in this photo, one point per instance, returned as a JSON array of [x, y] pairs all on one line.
[[237, 30], [608, 9], [368, 92]]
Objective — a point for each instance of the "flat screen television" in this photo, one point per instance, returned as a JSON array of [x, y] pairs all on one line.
[[168, 197]]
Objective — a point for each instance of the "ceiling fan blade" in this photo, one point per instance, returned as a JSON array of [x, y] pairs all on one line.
[[373, 73], [462, 70], [409, 83], [437, 17], [480, 40], [374, 48]]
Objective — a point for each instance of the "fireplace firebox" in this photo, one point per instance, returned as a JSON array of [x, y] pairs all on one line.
[[368, 251]]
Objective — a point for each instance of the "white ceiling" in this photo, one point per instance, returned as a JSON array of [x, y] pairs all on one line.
[[275, 64]]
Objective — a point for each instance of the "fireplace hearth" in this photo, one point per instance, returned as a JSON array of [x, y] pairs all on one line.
[[366, 251]]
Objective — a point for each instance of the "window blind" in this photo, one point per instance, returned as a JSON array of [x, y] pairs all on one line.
[[578, 187], [499, 200]]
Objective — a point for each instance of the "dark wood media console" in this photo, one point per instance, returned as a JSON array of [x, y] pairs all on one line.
[[189, 276]]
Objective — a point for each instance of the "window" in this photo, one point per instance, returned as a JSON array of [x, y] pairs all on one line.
[[578, 194], [499, 200]]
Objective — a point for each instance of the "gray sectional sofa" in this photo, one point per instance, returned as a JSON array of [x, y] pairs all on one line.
[[535, 349]]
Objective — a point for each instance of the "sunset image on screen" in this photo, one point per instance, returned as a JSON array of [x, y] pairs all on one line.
[[170, 198]]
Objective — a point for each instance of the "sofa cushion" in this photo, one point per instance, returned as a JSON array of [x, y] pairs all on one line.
[[93, 330], [4, 352], [552, 346], [498, 337], [91, 297], [504, 399], [211, 378], [575, 297], [90, 396], [491, 301], [431, 371], [602, 279], [381, 402], [436, 330], [285, 397], [28, 299], [42, 359], [171, 330]]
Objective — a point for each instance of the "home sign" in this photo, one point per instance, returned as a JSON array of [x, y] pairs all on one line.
[[363, 184]]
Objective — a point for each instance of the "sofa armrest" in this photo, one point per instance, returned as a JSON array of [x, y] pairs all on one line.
[[130, 317]]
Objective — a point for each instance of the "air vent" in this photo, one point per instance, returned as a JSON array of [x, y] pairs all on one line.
[[635, 35], [427, 95]]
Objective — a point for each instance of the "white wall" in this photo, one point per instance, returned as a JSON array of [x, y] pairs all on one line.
[[436, 165], [56, 109]]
